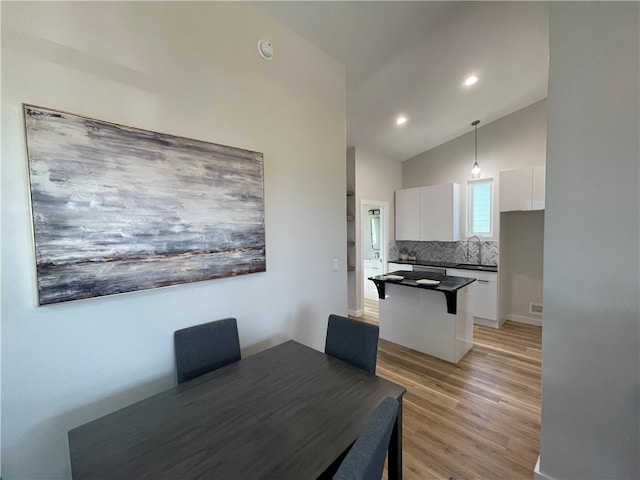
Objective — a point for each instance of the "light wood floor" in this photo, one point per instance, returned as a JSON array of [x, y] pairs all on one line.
[[479, 419]]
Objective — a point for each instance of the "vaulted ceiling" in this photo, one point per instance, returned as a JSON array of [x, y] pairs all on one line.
[[412, 58]]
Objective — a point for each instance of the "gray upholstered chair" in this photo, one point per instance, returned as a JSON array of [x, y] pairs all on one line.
[[203, 348], [353, 341], [365, 460]]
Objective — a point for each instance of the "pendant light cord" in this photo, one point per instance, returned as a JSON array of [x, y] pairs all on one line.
[[475, 171], [475, 124], [476, 142]]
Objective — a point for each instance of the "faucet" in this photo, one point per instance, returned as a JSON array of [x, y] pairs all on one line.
[[479, 248]]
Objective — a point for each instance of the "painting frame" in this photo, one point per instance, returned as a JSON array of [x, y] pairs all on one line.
[[118, 209]]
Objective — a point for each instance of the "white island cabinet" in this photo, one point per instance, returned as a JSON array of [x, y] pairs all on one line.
[[433, 320]]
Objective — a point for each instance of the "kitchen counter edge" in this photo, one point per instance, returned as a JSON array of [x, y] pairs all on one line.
[[435, 263]]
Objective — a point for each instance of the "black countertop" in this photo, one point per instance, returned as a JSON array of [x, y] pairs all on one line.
[[447, 282], [448, 285], [435, 263]]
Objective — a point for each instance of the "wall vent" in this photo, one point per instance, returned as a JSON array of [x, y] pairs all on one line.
[[535, 308]]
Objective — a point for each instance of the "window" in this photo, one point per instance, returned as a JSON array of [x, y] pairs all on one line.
[[479, 207]]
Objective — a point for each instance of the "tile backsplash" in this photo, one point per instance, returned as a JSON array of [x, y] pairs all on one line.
[[454, 252]]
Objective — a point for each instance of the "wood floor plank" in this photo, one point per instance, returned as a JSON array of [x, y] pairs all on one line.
[[479, 419]]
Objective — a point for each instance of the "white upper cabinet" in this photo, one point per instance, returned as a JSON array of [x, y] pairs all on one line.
[[522, 189], [408, 214], [428, 213], [440, 212], [537, 189], [515, 190]]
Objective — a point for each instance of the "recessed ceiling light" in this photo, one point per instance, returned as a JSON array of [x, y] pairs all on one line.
[[401, 120], [470, 80]]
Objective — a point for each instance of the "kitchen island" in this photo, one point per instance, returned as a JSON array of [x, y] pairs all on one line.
[[428, 312]]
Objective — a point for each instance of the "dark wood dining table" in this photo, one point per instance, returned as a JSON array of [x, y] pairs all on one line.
[[288, 412]]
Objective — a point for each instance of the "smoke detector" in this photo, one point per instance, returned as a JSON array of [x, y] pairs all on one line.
[[265, 48]]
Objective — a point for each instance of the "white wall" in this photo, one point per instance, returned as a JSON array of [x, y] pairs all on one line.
[[189, 69], [521, 261], [590, 342], [376, 178], [515, 141]]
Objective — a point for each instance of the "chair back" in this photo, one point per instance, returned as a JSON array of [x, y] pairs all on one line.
[[365, 460], [353, 341], [203, 348]]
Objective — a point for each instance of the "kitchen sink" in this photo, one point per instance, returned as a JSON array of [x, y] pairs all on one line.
[[476, 266]]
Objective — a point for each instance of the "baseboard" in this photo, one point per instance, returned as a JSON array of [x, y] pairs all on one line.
[[485, 322], [355, 313], [537, 475], [522, 319]]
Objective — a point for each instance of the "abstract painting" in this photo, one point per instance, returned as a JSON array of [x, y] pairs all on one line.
[[118, 209]]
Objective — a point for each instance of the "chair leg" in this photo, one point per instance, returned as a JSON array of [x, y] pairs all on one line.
[[394, 466]]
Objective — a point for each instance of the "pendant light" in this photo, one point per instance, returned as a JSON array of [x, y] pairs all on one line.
[[475, 171]]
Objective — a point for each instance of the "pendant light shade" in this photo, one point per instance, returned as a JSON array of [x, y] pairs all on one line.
[[475, 170]]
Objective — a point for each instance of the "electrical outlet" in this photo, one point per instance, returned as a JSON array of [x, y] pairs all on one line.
[[334, 265]]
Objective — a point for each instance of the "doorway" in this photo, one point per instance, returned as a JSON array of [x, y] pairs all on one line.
[[374, 235]]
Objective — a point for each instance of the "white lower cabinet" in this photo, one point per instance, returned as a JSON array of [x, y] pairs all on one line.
[[484, 295], [485, 299], [370, 290], [392, 267], [372, 268]]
